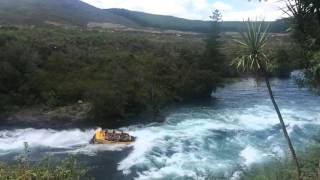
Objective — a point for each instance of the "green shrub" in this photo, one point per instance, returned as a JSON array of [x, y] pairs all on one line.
[[119, 73], [47, 169]]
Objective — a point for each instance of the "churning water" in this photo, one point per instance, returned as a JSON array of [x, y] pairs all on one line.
[[237, 128]]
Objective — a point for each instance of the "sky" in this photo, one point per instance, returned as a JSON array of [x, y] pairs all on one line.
[[232, 10]]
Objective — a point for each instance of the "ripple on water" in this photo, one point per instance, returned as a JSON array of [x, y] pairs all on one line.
[[238, 129]]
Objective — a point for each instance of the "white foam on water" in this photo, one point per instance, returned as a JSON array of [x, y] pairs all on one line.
[[73, 141], [176, 148], [173, 149], [236, 175], [93, 149], [251, 155], [189, 143], [179, 149], [15, 139], [146, 139]]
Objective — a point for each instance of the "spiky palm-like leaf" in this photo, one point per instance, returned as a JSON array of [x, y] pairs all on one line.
[[252, 42]]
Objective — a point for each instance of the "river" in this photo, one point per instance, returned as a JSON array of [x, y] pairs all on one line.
[[236, 128]]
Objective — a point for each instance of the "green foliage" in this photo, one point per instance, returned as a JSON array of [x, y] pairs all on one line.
[[315, 70], [48, 168], [119, 73], [254, 40], [217, 60], [253, 44], [313, 73], [18, 69], [306, 31], [283, 65]]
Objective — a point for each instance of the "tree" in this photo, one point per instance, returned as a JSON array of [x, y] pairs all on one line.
[[212, 41], [216, 16], [305, 21], [304, 9], [283, 64], [254, 59], [306, 31], [213, 54]]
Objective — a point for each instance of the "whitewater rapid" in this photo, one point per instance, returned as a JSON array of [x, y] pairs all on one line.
[[237, 128]]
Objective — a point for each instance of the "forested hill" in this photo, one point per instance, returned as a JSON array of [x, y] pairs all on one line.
[[78, 13], [170, 22]]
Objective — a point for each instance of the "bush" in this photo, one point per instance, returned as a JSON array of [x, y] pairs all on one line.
[[48, 168], [283, 64], [119, 73]]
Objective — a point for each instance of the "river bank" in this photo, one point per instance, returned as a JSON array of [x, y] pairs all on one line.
[[78, 116], [75, 116], [236, 128], [72, 116]]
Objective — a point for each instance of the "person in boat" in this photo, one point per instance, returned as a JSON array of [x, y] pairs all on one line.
[[124, 136], [117, 137], [109, 135], [121, 136], [112, 135], [100, 134]]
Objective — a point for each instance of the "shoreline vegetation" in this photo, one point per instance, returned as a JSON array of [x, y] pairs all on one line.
[[108, 76], [47, 168], [118, 74], [275, 167], [66, 75]]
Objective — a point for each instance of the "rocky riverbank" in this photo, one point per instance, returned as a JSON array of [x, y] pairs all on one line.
[[70, 116]]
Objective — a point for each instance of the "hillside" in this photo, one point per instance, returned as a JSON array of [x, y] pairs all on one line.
[[170, 22], [71, 12], [78, 13]]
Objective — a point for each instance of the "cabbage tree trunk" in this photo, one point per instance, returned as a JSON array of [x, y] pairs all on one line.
[[284, 129]]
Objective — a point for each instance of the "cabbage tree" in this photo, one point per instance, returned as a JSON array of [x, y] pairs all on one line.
[[253, 59]]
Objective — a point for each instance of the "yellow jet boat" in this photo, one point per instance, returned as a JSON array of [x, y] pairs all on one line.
[[113, 137]]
